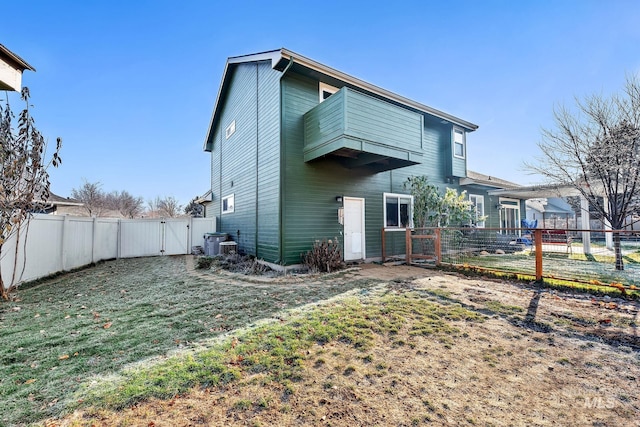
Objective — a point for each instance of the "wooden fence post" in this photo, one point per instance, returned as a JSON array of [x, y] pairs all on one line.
[[438, 246], [383, 247], [408, 248], [537, 238]]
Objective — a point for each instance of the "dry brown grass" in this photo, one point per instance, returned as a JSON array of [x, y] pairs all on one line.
[[540, 359]]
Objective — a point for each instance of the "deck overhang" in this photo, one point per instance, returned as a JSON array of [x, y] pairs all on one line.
[[362, 131]]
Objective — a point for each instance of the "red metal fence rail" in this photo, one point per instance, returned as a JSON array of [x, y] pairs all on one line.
[[570, 254]]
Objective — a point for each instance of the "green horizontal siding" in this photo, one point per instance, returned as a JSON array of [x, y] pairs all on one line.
[[309, 189], [268, 179], [350, 119], [247, 163], [326, 121], [238, 165], [459, 167], [435, 136], [263, 163], [382, 122], [213, 210]]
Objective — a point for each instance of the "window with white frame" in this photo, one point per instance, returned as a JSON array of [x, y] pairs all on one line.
[[228, 205], [230, 129], [458, 143], [477, 210], [326, 91], [398, 211]]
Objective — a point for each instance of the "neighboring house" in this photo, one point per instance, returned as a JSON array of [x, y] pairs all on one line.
[[57, 205], [551, 212], [301, 151], [205, 201], [506, 212], [11, 68]]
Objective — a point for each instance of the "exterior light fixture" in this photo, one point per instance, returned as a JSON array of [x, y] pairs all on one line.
[[339, 199]]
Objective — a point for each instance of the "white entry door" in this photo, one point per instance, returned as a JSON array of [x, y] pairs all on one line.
[[354, 242]]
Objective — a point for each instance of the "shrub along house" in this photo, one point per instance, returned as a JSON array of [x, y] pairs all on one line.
[[301, 151]]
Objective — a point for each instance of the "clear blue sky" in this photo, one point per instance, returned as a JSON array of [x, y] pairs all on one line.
[[130, 85]]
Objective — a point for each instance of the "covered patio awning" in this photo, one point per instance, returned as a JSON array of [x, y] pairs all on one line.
[[558, 190], [536, 191]]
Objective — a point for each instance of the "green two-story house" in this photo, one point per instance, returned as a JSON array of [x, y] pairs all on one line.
[[301, 152]]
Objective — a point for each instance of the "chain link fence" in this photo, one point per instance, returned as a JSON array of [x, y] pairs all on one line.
[[576, 255]]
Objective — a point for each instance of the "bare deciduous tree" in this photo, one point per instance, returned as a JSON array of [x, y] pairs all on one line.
[[153, 208], [92, 197], [124, 202], [169, 207], [24, 182], [596, 150], [98, 203]]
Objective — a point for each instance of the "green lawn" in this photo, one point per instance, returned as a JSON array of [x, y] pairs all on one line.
[[277, 350], [61, 333]]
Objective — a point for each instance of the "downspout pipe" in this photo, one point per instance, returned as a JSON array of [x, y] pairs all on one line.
[[282, 170], [257, 219]]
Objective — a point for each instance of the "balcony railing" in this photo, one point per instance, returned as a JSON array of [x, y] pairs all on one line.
[[363, 131]]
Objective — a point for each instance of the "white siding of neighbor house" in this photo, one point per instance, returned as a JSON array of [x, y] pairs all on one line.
[[61, 243], [10, 77]]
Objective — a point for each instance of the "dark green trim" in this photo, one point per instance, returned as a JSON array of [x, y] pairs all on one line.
[[257, 157]]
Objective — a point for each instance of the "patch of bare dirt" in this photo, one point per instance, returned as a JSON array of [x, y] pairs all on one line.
[[542, 358]]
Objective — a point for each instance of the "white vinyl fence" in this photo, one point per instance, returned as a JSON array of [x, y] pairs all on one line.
[[60, 243]]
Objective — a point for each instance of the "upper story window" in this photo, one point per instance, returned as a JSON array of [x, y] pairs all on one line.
[[459, 148], [227, 204], [231, 129], [477, 210], [398, 211], [326, 91]]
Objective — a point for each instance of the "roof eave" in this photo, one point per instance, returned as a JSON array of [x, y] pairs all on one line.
[[492, 184], [276, 56], [19, 62], [314, 65], [60, 203], [273, 55], [537, 191], [205, 198]]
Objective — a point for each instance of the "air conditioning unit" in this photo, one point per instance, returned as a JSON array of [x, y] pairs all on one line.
[[227, 248]]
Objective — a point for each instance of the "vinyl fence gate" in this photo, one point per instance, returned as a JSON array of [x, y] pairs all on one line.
[[152, 237]]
